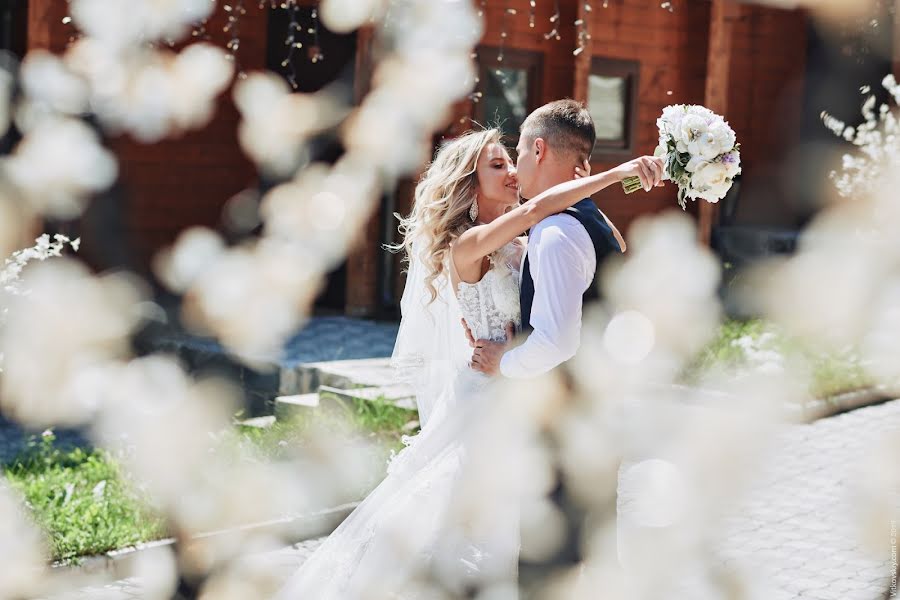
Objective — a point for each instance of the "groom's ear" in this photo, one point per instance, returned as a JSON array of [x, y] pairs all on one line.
[[539, 149]]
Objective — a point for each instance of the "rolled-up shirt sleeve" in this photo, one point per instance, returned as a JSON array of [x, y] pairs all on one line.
[[563, 262]]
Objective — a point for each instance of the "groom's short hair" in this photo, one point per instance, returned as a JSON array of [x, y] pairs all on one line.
[[566, 126]]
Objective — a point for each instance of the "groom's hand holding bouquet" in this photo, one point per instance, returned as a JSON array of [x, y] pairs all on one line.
[[649, 170]]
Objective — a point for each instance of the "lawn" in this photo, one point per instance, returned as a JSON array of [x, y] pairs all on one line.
[[754, 345], [81, 498], [87, 505]]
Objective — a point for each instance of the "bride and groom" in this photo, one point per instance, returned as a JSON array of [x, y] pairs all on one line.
[[472, 282]]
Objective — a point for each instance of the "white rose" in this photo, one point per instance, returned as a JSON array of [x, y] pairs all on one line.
[[697, 137], [702, 112], [670, 122], [692, 128], [695, 163], [732, 162], [662, 149], [710, 181], [723, 136]]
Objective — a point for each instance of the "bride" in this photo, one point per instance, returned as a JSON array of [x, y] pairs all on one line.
[[464, 251]]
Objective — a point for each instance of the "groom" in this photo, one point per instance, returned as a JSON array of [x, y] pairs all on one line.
[[564, 250], [558, 274]]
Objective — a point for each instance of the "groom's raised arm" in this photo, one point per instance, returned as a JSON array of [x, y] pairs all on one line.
[[563, 262]]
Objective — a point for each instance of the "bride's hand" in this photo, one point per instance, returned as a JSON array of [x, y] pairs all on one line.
[[583, 170], [487, 354]]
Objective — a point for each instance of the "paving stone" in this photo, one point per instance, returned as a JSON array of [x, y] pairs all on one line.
[[801, 514]]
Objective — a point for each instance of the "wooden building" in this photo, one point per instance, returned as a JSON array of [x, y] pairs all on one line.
[[626, 58]]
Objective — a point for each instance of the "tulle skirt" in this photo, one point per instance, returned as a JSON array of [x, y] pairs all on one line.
[[421, 530]]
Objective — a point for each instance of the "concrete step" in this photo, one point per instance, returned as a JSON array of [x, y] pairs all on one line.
[[258, 422], [288, 407], [398, 395], [343, 374]]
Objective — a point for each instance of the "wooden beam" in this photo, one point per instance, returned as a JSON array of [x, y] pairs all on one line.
[[362, 262], [896, 38], [46, 29], [583, 59], [723, 15]]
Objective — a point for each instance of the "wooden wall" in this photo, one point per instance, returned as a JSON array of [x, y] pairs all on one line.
[[182, 182], [764, 82], [765, 103], [671, 48], [168, 186]]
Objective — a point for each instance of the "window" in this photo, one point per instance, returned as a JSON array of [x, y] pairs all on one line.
[[612, 97], [13, 26], [510, 89]]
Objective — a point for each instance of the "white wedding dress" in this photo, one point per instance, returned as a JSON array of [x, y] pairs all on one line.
[[408, 534]]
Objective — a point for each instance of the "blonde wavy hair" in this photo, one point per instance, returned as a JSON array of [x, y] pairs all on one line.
[[443, 197]]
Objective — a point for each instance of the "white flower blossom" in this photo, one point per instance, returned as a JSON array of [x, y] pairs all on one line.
[[710, 182], [58, 165], [877, 144]]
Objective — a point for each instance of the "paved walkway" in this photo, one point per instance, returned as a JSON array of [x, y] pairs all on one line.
[[14, 439], [796, 528], [322, 339], [340, 338]]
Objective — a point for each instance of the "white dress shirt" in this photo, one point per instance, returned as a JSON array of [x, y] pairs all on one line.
[[562, 262]]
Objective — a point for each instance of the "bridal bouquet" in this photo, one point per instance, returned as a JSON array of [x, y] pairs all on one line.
[[700, 152]]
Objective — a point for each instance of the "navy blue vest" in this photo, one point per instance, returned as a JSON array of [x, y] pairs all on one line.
[[604, 243]]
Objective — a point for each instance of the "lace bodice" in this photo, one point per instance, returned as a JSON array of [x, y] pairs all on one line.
[[487, 306]]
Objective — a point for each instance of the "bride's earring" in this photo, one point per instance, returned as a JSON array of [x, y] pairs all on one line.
[[473, 211]]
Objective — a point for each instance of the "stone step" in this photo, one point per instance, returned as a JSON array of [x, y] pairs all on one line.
[[398, 394], [258, 422], [343, 374], [288, 407]]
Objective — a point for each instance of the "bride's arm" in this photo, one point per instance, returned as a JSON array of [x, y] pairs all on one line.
[[481, 240]]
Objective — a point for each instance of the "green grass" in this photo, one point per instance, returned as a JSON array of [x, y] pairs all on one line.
[[377, 421], [755, 344], [81, 499], [87, 505]]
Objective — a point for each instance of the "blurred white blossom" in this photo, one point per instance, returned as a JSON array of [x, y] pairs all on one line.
[[152, 94], [44, 248], [322, 209], [119, 25], [48, 83], [343, 16], [254, 297], [23, 551], [276, 123], [58, 165], [875, 490], [877, 141], [195, 250], [669, 278], [57, 388]]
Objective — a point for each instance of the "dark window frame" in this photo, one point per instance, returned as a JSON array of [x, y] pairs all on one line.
[[629, 70], [531, 61], [14, 27]]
